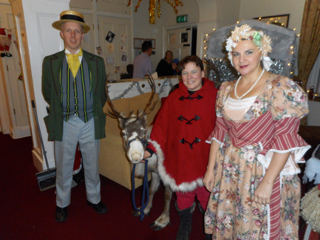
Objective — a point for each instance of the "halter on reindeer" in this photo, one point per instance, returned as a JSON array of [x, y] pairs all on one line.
[[134, 134]]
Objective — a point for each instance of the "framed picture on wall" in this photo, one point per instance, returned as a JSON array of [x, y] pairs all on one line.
[[184, 37], [138, 42], [153, 41], [279, 20]]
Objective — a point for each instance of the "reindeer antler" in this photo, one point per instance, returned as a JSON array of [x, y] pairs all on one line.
[[114, 112]]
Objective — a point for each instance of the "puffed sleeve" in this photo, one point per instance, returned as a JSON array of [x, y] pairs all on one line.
[[289, 103], [220, 130]]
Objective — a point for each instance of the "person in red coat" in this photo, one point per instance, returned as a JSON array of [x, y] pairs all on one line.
[[178, 138]]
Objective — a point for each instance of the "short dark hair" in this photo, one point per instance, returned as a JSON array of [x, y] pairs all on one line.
[[130, 68], [146, 45], [194, 58], [167, 52]]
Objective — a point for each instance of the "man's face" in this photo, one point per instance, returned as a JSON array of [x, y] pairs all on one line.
[[72, 35], [149, 52]]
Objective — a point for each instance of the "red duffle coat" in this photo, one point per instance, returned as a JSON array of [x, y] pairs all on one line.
[[179, 136]]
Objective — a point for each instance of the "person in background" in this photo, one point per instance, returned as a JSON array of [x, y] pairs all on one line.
[[129, 73], [181, 127], [142, 64], [252, 173], [166, 67], [175, 64], [73, 84]]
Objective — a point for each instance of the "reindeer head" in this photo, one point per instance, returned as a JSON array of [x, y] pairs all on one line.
[[134, 127], [134, 134]]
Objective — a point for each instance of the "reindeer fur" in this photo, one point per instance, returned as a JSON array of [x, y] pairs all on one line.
[[135, 126], [134, 129]]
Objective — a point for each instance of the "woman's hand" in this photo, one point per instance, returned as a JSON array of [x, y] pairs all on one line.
[[208, 180], [146, 155], [263, 192]]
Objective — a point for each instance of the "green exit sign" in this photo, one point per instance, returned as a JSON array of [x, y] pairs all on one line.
[[182, 18]]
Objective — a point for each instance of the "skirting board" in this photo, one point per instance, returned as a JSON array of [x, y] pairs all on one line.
[[20, 132], [39, 162]]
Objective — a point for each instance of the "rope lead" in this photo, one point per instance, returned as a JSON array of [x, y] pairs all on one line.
[[145, 191]]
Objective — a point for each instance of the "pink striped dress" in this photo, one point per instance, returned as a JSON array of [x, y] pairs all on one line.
[[270, 124]]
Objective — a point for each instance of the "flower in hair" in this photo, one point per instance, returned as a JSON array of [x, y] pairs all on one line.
[[245, 32], [257, 39]]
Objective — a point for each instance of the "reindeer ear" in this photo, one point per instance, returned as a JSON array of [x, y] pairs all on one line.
[[122, 123], [140, 113], [144, 120], [123, 114]]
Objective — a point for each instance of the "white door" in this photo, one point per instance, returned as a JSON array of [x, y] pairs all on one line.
[[15, 93], [116, 44], [179, 41]]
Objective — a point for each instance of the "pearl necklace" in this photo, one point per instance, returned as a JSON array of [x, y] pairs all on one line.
[[235, 88]]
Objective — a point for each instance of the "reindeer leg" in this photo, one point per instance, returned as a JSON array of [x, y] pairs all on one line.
[[164, 218], [155, 182]]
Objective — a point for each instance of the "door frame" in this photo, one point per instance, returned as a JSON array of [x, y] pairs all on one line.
[[7, 115], [4, 117], [165, 31]]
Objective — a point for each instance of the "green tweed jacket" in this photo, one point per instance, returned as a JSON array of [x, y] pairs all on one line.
[[51, 91]]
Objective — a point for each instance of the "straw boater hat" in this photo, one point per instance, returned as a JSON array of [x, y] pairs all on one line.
[[71, 16]]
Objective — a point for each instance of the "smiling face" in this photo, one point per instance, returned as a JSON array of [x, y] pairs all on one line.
[[246, 58], [192, 76], [72, 35]]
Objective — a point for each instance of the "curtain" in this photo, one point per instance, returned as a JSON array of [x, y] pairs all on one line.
[[314, 77], [309, 39]]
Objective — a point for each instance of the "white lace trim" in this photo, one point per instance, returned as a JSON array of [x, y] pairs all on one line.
[[214, 140], [267, 236], [290, 166]]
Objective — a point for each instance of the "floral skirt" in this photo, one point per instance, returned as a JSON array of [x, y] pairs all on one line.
[[231, 212]]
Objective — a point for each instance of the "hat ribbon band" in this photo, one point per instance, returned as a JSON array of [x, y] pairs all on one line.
[[72, 17]]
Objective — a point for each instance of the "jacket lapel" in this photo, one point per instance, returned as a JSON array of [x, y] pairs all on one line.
[[56, 62], [93, 67]]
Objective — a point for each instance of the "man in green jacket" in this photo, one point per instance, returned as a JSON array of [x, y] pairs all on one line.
[[73, 84]]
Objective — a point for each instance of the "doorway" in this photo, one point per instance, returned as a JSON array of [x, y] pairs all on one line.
[[182, 41], [15, 117]]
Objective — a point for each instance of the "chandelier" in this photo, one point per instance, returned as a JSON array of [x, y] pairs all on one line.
[[152, 7]]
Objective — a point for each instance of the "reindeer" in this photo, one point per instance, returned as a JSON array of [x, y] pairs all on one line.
[[134, 134]]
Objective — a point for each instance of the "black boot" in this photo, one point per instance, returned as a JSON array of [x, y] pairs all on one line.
[[185, 222], [202, 211], [208, 236]]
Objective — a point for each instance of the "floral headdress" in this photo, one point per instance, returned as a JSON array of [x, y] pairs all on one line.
[[262, 41]]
